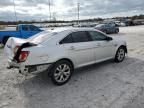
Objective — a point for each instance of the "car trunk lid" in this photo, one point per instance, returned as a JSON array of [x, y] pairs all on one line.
[[14, 46]]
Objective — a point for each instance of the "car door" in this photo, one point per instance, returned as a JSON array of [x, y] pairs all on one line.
[[79, 48], [112, 28], [108, 29], [104, 48], [25, 31]]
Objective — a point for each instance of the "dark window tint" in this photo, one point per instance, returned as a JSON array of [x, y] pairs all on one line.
[[34, 28], [106, 25], [67, 39], [80, 36], [97, 36], [25, 28]]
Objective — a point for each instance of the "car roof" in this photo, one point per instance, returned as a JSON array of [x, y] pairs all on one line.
[[60, 32], [71, 29]]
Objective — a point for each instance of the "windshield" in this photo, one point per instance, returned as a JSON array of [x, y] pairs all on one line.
[[40, 37]]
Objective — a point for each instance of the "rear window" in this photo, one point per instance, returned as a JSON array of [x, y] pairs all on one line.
[[41, 37]]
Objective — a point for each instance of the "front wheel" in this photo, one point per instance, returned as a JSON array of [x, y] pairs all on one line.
[[116, 31], [120, 55], [61, 72]]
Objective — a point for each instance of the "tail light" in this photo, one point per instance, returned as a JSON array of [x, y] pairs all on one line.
[[23, 56]]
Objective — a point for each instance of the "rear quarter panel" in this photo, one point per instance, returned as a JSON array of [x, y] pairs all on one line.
[[44, 54]]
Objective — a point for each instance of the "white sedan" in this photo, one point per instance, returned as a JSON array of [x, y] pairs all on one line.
[[62, 50]]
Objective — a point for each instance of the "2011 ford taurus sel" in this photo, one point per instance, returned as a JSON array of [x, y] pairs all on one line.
[[62, 50]]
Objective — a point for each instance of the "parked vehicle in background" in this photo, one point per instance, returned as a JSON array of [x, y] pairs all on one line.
[[86, 25], [117, 23], [21, 31], [127, 22], [139, 22], [122, 24], [107, 28], [60, 51]]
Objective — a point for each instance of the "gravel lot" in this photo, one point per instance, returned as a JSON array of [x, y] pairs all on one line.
[[104, 85]]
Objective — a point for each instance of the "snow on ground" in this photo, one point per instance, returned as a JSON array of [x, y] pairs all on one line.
[[104, 85]]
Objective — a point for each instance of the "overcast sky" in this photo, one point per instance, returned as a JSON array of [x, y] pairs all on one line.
[[67, 9]]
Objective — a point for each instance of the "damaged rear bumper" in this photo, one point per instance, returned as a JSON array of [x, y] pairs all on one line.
[[29, 69], [34, 69]]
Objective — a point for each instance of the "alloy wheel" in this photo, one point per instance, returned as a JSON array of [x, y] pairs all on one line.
[[62, 73], [121, 54]]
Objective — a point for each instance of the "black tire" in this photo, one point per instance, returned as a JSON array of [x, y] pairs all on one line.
[[56, 75], [116, 31], [5, 40], [120, 54]]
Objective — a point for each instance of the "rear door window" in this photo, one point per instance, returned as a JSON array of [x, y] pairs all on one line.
[[80, 36], [76, 37], [67, 39]]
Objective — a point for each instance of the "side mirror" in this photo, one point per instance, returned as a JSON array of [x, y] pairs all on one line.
[[109, 38]]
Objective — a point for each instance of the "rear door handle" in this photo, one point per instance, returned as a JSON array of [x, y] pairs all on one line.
[[72, 48]]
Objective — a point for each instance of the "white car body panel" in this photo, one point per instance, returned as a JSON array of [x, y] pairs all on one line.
[[11, 43], [80, 54]]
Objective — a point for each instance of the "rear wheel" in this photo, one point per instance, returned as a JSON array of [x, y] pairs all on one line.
[[120, 55], [61, 72]]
